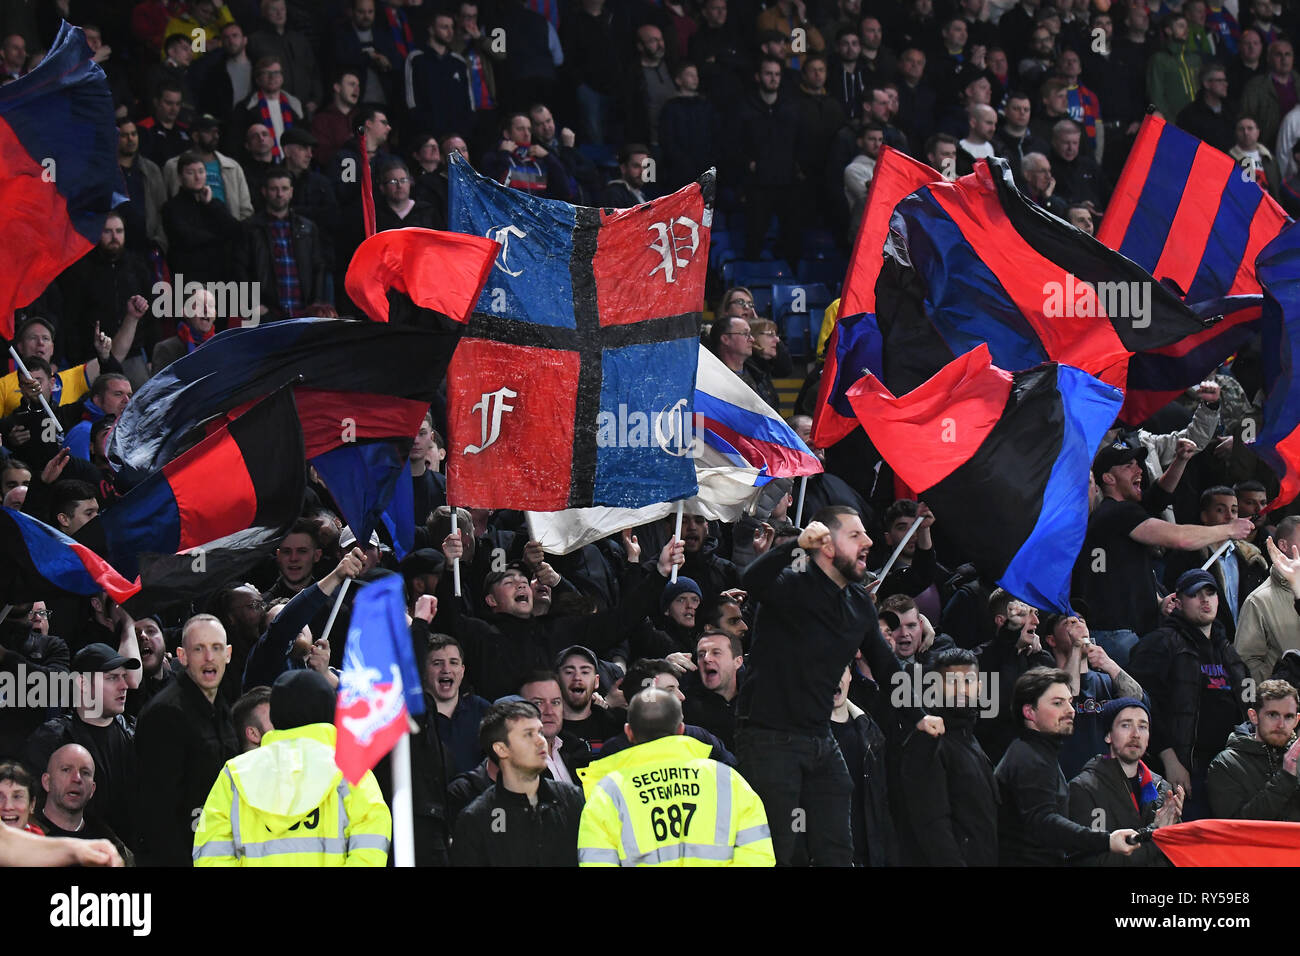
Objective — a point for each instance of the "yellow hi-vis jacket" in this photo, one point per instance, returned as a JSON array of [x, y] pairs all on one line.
[[665, 803], [287, 804]]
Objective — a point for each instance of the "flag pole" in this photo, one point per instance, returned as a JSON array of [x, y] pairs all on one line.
[[1217, 554], [334, 611], [455, 565], [884, 572], [677, 534], [798, 511], [403, 823], [22, 370]]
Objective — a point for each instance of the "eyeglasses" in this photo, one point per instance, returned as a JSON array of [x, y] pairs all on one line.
[[41, 614], [747, 334], [397, 182]]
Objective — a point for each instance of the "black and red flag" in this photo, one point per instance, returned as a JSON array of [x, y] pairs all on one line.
[[207, 516], [1002, 459], [354, 381], [574, 383], [970, 262]]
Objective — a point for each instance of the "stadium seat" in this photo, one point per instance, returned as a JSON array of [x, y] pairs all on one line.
[[797, 309], [748, 272], [829, 271]]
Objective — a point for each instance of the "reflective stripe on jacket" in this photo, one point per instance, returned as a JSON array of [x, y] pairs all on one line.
[[665, 803], [287, 804]]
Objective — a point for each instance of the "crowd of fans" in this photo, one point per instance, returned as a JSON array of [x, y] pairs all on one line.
[[1169, 695]]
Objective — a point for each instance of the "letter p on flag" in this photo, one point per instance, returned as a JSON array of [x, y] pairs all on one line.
[[379, 685]]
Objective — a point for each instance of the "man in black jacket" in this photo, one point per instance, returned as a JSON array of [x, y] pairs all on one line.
[[949, 797], [1255, 776], [283, 252], [814, 617], [199, 228], [27, 647], [183, 739], [510, 643], [1116, 789], [1033, 826], [1197, 684], [769, 139], [523, 819]]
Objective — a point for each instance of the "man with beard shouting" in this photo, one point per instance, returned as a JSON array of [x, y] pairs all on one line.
[[814, 617]]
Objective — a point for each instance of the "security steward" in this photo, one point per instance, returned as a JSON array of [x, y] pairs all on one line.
[[663, 802], [286, 803]]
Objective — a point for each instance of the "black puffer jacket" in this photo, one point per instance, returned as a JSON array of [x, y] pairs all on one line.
[[544, 835], [1247, 782], [1100, 797], [950, 798], [1168, 667]]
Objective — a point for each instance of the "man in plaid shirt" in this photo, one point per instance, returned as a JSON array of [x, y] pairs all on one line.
[[284, 252]]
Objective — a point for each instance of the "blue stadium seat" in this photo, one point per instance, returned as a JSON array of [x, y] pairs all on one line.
[[762, 300], [797, 309], [600, 154], [829, 271], [748, 272]]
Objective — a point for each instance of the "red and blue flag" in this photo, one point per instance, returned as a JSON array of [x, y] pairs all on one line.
[[229, 498], [379, 686], [1191, 216], [573, 384], [974, 262], [1278, 441], [37, 561], [1002, 459], [353, 382], [854, 347], [58, 169]]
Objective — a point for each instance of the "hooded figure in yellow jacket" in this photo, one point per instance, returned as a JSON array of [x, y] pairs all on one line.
[[663, 802], [286, 803]]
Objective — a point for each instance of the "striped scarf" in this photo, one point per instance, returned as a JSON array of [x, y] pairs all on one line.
[[186, 335], [286, 117], [403, 39], [1150, 792]]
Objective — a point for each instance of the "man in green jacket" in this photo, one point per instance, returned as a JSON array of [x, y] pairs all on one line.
[[1172, 70], [1254, 778]]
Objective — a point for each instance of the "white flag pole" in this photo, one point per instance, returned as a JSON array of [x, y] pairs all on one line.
[[403, 820], [334, 611], [1217, 554], [455, 565], [798, 511], [884, 572], [22, 370], [678, 534]]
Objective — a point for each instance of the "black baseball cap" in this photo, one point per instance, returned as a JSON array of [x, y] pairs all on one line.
[[100, 658], [1119, 452], [579, 650]]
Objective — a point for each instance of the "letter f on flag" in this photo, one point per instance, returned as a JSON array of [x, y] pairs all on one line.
[[379, 686]]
